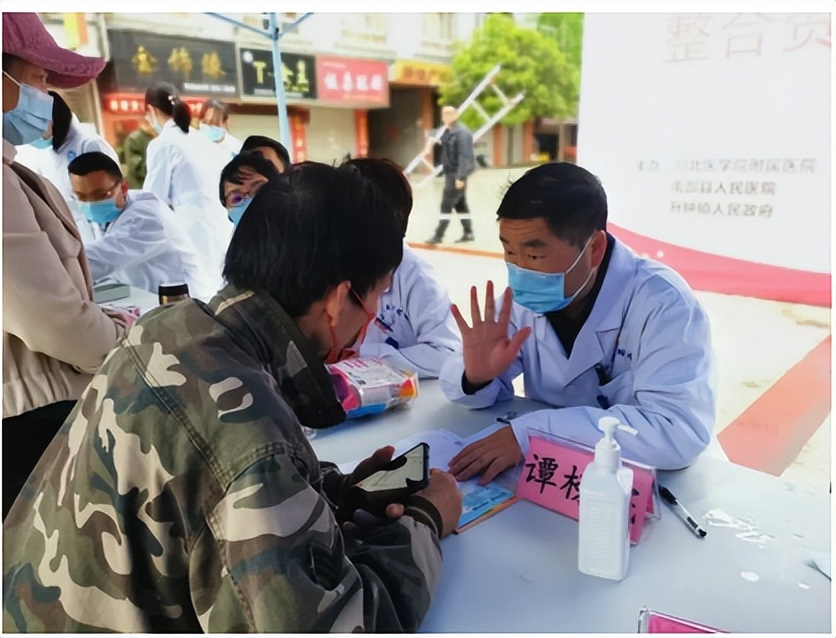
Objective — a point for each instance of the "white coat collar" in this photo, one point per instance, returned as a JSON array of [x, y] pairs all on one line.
[[608, 312]]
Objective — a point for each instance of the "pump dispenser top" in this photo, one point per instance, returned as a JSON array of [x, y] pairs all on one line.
[[607, 450]]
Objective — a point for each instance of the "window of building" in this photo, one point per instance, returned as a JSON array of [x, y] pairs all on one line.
[[438, 27], [365, 27]]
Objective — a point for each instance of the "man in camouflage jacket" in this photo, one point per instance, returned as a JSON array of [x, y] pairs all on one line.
[[182, 495]]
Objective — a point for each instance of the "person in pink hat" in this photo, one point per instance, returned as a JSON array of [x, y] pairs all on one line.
[[54, 335]]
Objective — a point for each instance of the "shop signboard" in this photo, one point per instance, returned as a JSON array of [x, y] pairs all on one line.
[[362, 83], [193, 66], [258, 79]]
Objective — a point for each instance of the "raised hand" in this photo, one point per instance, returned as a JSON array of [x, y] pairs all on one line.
[[486, 347]]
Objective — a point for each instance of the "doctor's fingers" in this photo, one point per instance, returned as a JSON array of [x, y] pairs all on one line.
[[464, 328], [490, 303], [517, 339], [475, 311], [505, 310], [469, 461]]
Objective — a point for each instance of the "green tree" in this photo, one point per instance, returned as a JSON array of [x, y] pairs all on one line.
[[567, 30], [532, 63]]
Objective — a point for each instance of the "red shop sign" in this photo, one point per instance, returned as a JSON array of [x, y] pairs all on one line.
[[365, 82]]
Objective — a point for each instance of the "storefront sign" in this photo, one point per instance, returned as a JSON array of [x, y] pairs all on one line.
[[194, 67], [419, 73], [360, 82], [134, 103], [258, 79]]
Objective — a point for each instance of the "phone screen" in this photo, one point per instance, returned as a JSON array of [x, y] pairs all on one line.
[[403, 472]]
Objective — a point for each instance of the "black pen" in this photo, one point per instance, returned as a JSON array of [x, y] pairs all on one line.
[[681, 512]]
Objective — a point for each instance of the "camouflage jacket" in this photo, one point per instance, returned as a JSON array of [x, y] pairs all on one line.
[[182, 495]]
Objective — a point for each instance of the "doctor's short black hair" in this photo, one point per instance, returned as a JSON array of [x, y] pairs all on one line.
[[93, 161], [308, 230], [570, 199]]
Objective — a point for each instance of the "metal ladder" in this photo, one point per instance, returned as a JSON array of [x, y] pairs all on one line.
[[490, 120]]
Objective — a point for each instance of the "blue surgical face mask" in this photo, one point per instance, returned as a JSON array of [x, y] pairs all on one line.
[[42, 142], [100, 213], [236, 212], [151, 118], [213, 133], [543, 292], [29, 120]]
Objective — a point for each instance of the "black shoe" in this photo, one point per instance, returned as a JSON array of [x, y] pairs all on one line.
[[467, 236], [435, 239]]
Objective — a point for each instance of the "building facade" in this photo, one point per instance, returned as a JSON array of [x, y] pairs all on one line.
[[355, 84]]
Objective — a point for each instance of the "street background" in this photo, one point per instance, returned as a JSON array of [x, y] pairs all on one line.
[[757, 343]]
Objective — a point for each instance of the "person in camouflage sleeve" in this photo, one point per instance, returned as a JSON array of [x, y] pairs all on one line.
[[181, 493]]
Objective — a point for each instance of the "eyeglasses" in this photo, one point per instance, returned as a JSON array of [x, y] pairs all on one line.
[[236, 198], [98, 196]]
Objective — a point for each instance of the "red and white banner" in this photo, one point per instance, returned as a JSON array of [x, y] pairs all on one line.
[[711, 134]]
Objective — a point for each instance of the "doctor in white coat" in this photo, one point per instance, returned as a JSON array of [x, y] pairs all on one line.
[[142, 244], [50, 155], [593, 328], [414, 328], [183, 171], [214, 125]]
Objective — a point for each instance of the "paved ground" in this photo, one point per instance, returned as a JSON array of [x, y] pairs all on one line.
[[759, 344]]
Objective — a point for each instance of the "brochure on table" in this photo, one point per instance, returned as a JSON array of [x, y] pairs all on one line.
[[478, 501]]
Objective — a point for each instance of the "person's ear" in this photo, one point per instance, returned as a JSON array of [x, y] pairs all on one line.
[[335, 300], [124, 187], [599, 247]]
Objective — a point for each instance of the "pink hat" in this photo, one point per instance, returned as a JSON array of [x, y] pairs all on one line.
[[25, 36]]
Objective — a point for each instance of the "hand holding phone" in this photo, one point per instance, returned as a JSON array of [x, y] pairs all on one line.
[[401, 477]]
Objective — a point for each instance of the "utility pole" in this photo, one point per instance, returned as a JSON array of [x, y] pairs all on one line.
[[274, 33]]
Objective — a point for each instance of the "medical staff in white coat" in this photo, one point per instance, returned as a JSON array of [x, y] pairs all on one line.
[[50, 155], [214, 124], [183, 171], [141, 243], [414, 328], [593, 328]]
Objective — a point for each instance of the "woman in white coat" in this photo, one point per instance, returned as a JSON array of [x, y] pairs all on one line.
[[414, 328], [50, 155], [183, 171]]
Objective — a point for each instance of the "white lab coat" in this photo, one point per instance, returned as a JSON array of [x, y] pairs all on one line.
[[230, 144], [414, 328], [652, 338], [52, 165], [184, 171], [146, 247]]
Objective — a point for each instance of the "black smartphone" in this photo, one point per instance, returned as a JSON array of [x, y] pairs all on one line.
[[402, 476]]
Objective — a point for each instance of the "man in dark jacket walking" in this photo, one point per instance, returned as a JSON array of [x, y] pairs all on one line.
[[458, 163]]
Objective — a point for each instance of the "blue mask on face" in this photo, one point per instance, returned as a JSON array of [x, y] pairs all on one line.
[[29, 120], [151, 118], [236, 212], [213, 133], [543, 292], [42, 143], [100, 213]]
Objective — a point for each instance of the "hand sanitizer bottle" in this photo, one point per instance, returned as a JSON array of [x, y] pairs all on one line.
[[603, 524]]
